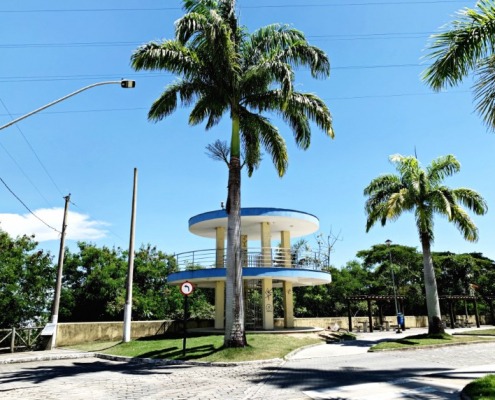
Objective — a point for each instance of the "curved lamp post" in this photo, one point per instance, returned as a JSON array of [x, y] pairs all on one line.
[[388, 242], [124, 83], [52, 328]]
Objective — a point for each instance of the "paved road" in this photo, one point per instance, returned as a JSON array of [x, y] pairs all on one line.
[[330, 371]]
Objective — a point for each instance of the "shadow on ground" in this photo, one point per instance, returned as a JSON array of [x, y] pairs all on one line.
[[308, 379], [48, 372]]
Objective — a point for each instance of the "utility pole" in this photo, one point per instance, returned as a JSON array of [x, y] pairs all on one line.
[[130, 268], [58, 285]]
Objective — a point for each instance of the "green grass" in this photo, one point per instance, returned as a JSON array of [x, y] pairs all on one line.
[[423, 340], [481, 389], [478, 332], [205, 348]]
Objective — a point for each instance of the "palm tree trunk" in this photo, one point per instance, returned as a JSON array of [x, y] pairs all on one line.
[[235, 335], [432, 302]]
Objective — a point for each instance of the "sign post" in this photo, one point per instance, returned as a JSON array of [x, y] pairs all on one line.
[[186, 288]]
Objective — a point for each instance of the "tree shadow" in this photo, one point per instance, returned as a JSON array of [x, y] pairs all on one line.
[[45, 373], [313, 379], [175, 353]]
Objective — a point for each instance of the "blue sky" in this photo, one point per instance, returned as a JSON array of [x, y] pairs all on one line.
[[89, 145]]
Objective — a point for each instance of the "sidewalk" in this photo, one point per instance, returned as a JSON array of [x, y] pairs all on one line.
[[47, 355], [445, 384]]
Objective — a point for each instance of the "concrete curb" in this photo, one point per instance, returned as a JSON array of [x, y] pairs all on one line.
[[19, 358], [433, 346], [164, 361], [45, 357]]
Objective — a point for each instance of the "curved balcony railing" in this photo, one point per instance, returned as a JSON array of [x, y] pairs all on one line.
[[252, 258]]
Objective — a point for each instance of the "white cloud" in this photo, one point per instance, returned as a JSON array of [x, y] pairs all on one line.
[[79, 226]]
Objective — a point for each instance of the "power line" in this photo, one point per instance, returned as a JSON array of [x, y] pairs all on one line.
[[32, 148], [24, 173], [355, 36], [279, 6], [27, 208], [372, 96], [52, 78]]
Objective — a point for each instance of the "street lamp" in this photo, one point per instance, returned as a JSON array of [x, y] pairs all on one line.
[[51, 329], [124, 83], [388, 242]]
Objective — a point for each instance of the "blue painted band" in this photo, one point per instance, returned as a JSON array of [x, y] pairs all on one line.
[[213, 274], [254, 212]]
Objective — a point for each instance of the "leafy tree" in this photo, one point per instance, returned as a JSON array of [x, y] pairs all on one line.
[[467, 45], [330, 300], [465, 274], [94, 286], [407, 267], [422, 191], [224, 69], [27, 279]]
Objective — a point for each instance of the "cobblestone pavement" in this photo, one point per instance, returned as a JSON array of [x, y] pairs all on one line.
[[333, 371]]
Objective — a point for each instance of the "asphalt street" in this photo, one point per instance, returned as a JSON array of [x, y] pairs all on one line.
[[336, 371]]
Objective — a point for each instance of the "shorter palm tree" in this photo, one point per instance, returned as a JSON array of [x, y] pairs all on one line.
[[421, 191]]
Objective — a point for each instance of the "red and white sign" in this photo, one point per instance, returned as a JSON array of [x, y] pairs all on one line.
[[186, 288]]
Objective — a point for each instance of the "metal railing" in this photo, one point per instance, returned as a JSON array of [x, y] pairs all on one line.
[[19, 338], [251, 258]]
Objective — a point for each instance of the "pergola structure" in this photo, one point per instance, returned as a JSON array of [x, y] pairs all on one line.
[[369, 299], [452, 299]]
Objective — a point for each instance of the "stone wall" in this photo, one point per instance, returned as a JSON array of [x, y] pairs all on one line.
[[81, 332]]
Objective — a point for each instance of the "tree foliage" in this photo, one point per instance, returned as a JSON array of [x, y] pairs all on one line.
[[94, 286], [466, 45], [457, 274], [27, 280]]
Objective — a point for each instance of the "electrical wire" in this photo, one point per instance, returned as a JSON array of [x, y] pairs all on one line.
[[356, 36], [52, 78], [279, 6], [27, 208], [32, 149], [24, 173]]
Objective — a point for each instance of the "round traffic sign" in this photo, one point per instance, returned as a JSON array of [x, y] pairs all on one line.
[[186, 288]]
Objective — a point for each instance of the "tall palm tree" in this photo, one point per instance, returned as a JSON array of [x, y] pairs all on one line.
[[224, 69], [467, 45], [422, 192]]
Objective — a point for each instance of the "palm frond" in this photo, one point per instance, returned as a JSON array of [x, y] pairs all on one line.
[[471, 199], [207, 106], [274, 36], [164, 105], [269, 137], [442, 167], [167, 102], [464, 224], [484, 91], [397, 203], [296, 109], [458, 49], [388, 183], [169, 55], [313, 108]]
